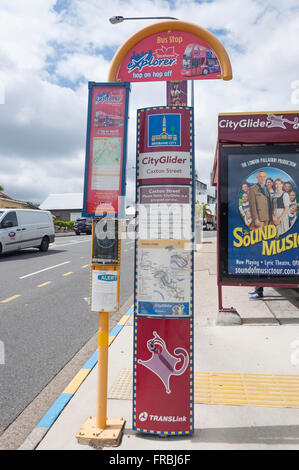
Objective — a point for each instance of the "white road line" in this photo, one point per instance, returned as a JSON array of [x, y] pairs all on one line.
[[68, 244], [42, 270]]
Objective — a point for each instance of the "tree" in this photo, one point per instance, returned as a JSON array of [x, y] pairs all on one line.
[[1, 188], [202, 210]]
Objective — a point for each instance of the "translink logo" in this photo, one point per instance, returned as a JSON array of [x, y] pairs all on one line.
[[143, 416]]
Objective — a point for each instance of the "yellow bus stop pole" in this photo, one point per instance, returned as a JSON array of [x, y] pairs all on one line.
[[100, 431], [103, 344]]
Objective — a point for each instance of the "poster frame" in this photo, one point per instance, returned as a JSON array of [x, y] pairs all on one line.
[[127, 85], [224, 278]]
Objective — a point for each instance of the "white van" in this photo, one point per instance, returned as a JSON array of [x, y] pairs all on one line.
[[25, 228]]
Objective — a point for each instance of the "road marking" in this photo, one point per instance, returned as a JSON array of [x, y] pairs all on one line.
[[69, 243], [42, 270], [10, 298], [67, 274], [85, 266], [45, 284]]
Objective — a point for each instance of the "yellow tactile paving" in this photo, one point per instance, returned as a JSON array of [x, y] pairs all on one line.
[[220, 388], [122, 388], [247, 389]]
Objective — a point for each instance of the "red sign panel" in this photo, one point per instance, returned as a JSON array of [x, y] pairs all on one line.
[[259, 127], [106, 148], [164, 146], [175, 55], [163, 397]]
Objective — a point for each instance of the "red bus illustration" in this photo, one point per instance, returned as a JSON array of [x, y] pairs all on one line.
[[198, 60], [107, 120]]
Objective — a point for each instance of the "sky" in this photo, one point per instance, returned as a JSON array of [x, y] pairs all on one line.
[[50, 49]]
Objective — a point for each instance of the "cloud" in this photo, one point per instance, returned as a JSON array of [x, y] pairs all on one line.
[[49, 50]]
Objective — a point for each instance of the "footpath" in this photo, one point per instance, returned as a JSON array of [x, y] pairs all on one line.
[[246, 377]]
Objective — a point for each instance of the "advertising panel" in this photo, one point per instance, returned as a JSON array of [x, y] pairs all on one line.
[[259, 200], [163, 376], [105, 164], [170, 56], [164, 146], [177, 93]]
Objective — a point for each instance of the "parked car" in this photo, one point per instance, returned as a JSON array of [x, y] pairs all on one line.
[[25, 228], [208, 226], [83, 225]]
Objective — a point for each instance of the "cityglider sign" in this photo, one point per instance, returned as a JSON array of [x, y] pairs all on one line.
[[163, 155], [269, 127]]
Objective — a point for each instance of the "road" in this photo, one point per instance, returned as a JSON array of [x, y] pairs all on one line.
[[44, 315]]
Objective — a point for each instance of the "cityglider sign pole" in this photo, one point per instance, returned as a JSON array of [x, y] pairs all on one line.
[[163, 295]]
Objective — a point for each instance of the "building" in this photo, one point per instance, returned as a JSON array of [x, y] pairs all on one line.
[[66, 207], [206, 195], [203, 189], [7, 202]]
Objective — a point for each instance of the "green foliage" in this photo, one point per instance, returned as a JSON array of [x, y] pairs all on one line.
[[1, 188], [61, 224], [202, 210]]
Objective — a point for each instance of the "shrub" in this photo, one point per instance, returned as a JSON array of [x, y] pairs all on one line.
[[62, 224]]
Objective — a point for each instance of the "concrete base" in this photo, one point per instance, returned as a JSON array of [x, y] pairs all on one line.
[[98, 438], [228, 317]]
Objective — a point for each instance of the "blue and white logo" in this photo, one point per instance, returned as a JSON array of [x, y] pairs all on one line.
[[107, 277], [104, 97], [164, 130]]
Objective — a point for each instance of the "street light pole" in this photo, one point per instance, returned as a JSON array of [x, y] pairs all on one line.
[[120, 19]]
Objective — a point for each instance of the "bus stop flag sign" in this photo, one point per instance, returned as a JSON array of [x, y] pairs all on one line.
[[105, 163], [170, 55]]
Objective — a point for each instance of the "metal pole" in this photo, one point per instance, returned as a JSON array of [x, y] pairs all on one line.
[[103, 343], [192, 97]]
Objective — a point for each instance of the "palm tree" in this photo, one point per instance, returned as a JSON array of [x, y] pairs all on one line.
[[203, 210]]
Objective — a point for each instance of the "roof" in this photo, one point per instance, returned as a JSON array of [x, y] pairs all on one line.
[[66, 201], [4, 196]]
